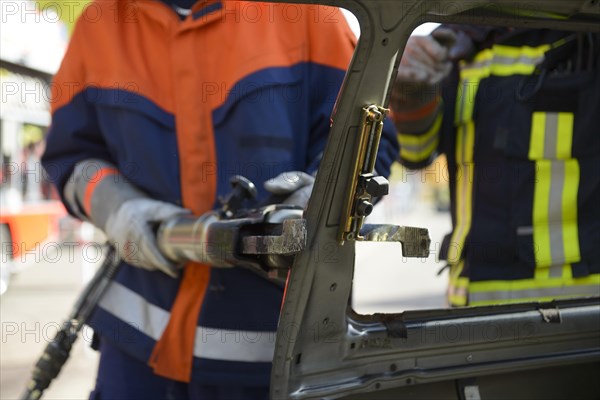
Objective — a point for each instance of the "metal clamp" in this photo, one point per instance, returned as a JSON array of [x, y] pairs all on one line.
[[364, 185], [415, 241]]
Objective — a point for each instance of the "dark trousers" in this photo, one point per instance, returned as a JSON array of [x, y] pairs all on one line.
[[121, 377]]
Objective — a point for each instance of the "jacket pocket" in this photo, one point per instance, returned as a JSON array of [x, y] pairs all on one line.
[[141, 139], [553, 130], [559, 120]]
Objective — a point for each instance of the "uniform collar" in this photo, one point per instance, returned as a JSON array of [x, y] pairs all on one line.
[[202, 13], [207, 9]]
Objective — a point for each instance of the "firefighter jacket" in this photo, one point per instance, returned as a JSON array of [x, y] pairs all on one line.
[[520, 131], [179, 107]]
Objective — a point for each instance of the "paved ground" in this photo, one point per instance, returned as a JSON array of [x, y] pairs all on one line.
[[41, 296]]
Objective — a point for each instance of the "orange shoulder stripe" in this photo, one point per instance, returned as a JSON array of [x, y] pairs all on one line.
[[89, 190]]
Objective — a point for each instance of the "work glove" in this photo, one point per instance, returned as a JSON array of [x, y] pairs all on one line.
[[127, 216], [296, 186], [424, 64], [132, 228]]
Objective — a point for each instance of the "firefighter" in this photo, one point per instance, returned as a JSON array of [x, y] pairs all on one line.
[[516, 113], [156, 105]]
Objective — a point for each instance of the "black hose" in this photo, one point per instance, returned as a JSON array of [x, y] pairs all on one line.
[[57, 351]]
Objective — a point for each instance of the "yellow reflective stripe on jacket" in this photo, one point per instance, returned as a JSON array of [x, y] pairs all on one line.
[[418, 148], [555, 233], [495, 292], [554, 271], [503, 60], [551, 135], [457, 286], [464, 190]]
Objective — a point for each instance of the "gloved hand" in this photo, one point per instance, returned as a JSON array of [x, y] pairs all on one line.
[[297, 185], [424, 64], [98, 193], [130, 227]]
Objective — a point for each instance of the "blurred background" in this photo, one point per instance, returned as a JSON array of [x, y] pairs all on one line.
[[47, 257]]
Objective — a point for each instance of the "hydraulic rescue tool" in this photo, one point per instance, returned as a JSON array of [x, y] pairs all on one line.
[[262, 240]]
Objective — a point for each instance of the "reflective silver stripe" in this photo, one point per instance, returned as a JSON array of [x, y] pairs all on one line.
[[134, 310], [522, 59], [555, 227], [555, 271], [561, 291], [210, 343], [221, 344], [550, 135], [524, 230], [555, 200]]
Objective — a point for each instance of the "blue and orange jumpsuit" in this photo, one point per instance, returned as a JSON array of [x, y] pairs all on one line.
[[179, 107]]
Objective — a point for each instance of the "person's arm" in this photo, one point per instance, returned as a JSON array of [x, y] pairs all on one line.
[[79, 163], [416, 101], [74, 134]]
